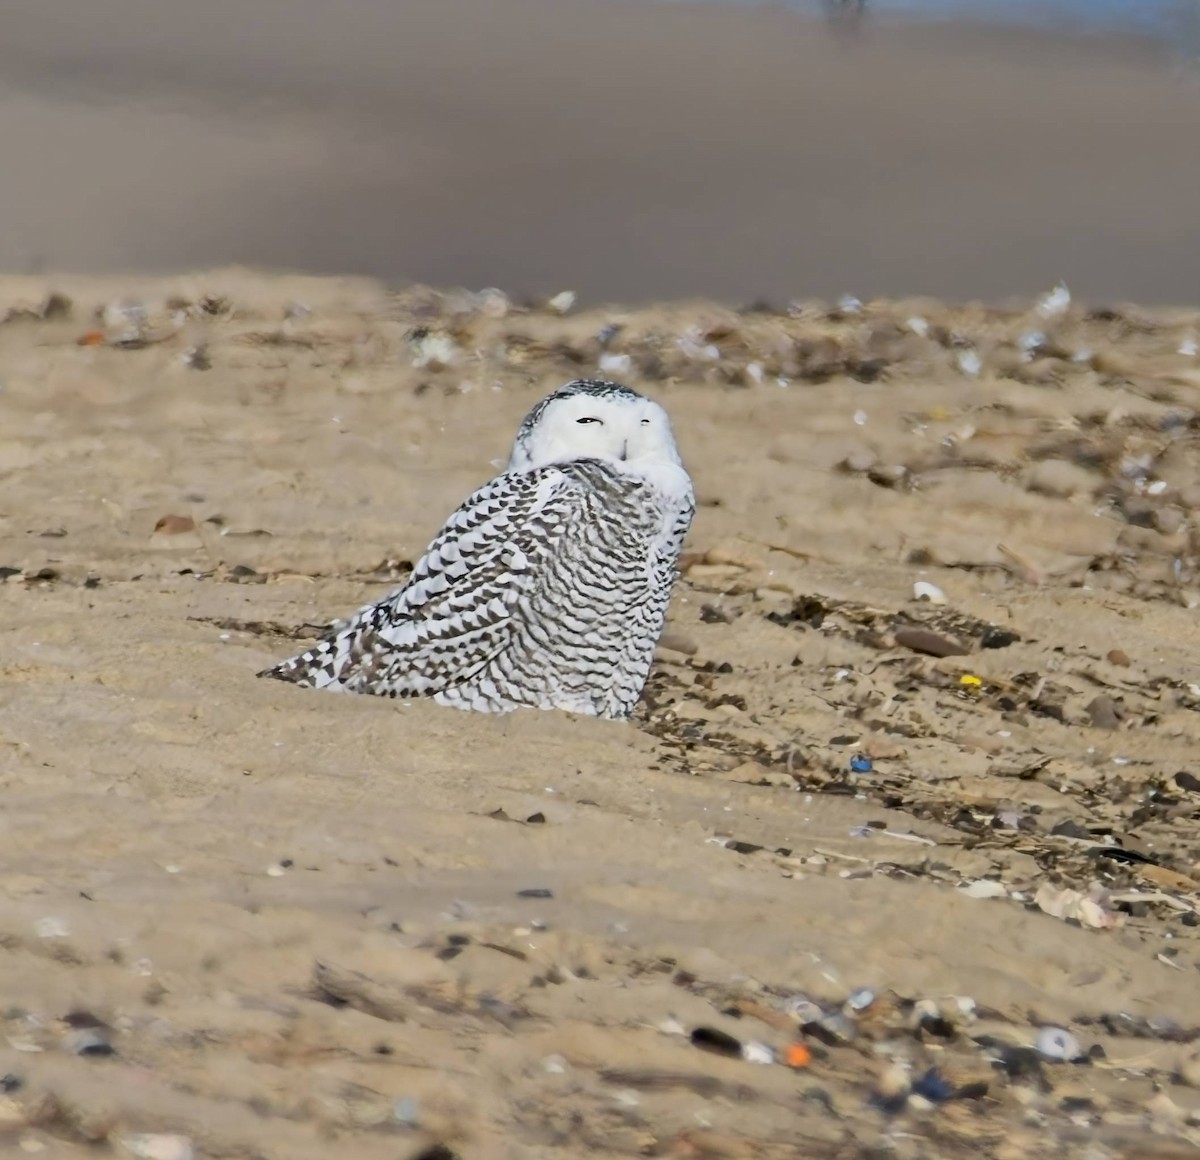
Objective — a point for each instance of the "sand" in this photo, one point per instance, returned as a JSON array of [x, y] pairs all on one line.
[[283, 924]]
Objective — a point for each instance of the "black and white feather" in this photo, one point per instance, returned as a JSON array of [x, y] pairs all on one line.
[[548, 587]]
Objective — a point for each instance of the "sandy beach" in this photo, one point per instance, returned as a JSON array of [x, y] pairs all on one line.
[[301, 921]]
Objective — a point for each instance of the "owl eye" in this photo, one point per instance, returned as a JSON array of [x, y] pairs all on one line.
[[645, 422], [590, 419]]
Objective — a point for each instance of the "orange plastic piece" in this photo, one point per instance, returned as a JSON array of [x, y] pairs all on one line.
[[798, 1056]]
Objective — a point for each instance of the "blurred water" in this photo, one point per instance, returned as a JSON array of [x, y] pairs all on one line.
[[624, 149], [1174, 21]]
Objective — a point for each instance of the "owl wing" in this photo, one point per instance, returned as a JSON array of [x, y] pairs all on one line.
[[456, 610]]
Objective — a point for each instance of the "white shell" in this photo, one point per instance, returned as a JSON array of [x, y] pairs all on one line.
[[923, 590]]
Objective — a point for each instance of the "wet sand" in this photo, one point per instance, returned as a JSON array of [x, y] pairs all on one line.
[[627, 150], [303, 922]]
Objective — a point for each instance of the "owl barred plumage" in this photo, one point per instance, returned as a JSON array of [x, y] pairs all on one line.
[[548, 587]]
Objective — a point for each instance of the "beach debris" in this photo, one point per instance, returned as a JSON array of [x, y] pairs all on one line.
[[89, 1039], [172, 525], [928, 593], [612, 363], [1056, 303], [1057, 1045], [433, 350], [861, 763], [158, 1146], [562, 302], [1073, 905], [984, 888], [798, 1056], [969, 362], [754, 1051]]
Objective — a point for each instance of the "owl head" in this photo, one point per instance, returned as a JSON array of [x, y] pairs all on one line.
[[595, 419]]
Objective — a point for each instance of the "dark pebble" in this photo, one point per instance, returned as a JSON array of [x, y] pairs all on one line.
[[1187, 781], [435, 1152], [89, 1041], [995, 637], [536, 892], [934, 1086], [537, 819], [710, 1039]]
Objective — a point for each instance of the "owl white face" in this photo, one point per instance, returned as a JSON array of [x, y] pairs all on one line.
[[622, 427]]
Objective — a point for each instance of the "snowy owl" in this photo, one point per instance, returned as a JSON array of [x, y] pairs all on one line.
[[548, 587]]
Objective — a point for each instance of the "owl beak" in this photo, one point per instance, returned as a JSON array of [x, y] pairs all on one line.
[[624, 452]]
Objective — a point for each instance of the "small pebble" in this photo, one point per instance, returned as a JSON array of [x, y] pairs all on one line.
[[615, 364], [158, 1146], [1104, 712], [753, 1051], [1056, 303], [860, 999], [930, 593], [802, 1009], [970, 363], [922, 640], [89, 1041], [1057, 1044], [984, 888], [934, 1087], [1116, 656]]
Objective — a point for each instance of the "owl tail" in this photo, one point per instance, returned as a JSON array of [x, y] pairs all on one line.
[[309, 670]]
